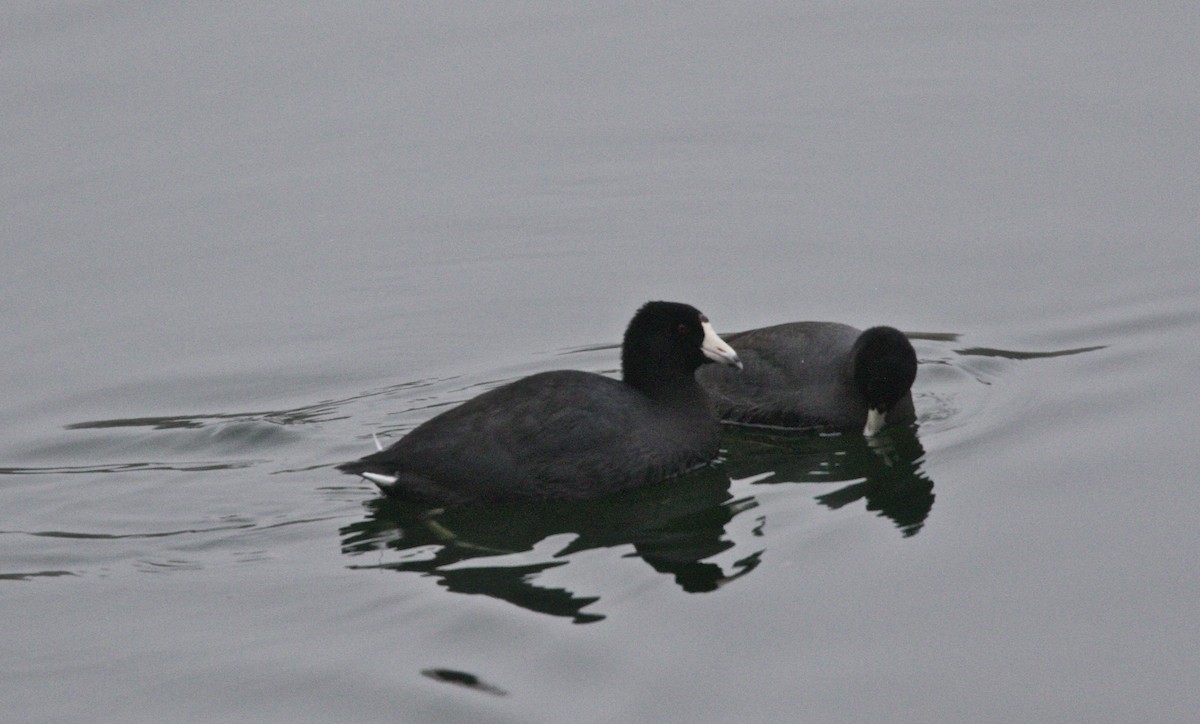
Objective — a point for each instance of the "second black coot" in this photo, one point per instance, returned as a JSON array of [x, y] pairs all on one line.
[[817, 374], [569, 434]]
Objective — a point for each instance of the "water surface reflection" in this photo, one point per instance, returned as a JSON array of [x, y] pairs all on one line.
[[885, 471], [679, 527]]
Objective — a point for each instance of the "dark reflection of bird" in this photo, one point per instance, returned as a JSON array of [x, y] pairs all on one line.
[[817, 374], [675, 526], [885, 471], [678, 527]]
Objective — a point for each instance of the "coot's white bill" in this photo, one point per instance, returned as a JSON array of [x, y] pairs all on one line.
[[716, 349], [875, 421]]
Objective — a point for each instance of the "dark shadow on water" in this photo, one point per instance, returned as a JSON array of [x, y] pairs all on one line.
[[34, 575], [672, 526], [676, 527], [885, 472], [1018, 355], [464, 679], [125, 468]]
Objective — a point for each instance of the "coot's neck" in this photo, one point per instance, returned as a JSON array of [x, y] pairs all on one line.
[[665, 384]]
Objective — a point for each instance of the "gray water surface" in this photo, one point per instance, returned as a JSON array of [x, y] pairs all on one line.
[[239, 240]]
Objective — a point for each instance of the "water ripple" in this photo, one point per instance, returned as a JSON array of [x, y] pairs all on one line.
[[126, 536], [35, 574], [128, 467]]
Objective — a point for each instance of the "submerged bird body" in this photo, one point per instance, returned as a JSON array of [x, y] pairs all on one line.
[[817, 374], [569, 434]]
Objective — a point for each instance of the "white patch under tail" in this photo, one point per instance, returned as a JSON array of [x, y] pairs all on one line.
[[380, 478]]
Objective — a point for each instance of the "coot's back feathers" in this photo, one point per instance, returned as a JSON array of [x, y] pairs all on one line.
[[817, 374]]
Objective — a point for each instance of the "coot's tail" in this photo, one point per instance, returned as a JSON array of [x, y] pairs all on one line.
[[369, 470]]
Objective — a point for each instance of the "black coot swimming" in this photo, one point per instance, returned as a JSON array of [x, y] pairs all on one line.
[[817, 374], [568, 434]]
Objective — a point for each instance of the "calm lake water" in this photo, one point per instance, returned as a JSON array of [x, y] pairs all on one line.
[[238, 240]]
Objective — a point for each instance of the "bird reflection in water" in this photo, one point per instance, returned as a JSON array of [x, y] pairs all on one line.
[[885, 471], [680, 527], [673, 526]]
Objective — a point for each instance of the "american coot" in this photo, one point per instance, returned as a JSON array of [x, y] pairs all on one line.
[[817, 374], [568, 434]]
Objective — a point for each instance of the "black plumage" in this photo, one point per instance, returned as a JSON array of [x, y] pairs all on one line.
[[816, 374], [569, 434]]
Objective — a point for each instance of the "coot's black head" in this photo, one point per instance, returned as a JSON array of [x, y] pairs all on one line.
[[668, 340], [885, 366]]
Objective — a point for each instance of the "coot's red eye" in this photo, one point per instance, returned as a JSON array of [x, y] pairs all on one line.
[[683, 329]]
